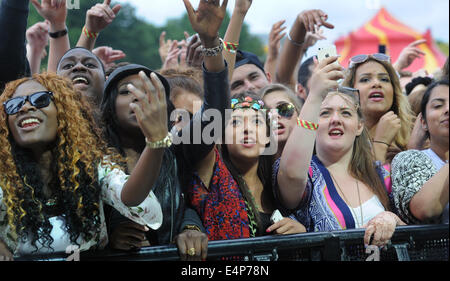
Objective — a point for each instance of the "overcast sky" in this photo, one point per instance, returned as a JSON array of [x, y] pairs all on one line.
[[346, 15]]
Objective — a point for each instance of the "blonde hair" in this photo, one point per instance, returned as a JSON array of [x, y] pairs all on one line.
[[400, 105], [289, 93], [362, 164]]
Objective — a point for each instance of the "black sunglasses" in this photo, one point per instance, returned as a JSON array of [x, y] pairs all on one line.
[[285, 110], [38, 100]]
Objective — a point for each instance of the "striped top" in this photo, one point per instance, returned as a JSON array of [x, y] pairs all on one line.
[[322, 208]]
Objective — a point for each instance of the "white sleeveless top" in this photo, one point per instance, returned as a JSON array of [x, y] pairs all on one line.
[[370, 209]]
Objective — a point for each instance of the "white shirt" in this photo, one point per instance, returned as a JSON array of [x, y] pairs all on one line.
[[370, 209]]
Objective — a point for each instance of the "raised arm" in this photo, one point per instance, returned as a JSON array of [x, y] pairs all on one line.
[[206, 22], [37, 38], [297, 154], [233, 32], [275, 36], [97, 18], [150, 107], [13, 25], [294, 48], [55, 12]]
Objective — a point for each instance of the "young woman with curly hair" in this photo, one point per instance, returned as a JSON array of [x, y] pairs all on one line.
[[56, 172], [385, 108]]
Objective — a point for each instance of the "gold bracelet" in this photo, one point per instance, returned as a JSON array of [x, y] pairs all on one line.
[[191, 227]]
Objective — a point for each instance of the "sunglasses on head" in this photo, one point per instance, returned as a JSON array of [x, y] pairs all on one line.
[[285, 110], [38, 100], [363, 58]]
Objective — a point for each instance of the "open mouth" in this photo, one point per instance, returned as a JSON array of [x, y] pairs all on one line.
[[77, 80], [29, 122], [376, 96], [336, 133]]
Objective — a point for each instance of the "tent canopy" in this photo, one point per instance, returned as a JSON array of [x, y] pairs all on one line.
[[384, 29]]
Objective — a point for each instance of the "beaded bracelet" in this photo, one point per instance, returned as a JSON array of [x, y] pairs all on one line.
[[230, 47], [307, 125], [89, 34]]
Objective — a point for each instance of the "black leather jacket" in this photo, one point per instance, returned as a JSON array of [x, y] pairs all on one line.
[[178, 164], [175, 215]]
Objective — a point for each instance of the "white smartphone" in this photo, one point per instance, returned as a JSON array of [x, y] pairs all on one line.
[[326, 52], [276, 216]]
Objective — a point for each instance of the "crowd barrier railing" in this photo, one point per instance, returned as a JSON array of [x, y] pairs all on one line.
[[409, 243]]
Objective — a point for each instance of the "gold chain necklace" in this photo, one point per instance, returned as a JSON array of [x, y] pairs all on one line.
[[347, 201]]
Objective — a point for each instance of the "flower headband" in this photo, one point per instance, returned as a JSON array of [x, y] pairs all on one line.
[[247, 102]]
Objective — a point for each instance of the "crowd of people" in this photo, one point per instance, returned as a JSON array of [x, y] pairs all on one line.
[[101, 154]]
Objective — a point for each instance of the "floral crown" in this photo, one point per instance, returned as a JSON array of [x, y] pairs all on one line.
[[247, 102]]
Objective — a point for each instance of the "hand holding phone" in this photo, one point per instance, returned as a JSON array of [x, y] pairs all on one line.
[[276, 216], [329, 51]]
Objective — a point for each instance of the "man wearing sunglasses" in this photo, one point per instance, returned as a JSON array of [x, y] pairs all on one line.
[[13, 24]]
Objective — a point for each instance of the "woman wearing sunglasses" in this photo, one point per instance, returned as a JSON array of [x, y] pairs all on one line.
[[386, 110], [55, 176], [285, 107], [233, 192], [420, 178], [339, 186]]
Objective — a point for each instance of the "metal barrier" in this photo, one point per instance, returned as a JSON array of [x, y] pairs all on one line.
[[409, 243]]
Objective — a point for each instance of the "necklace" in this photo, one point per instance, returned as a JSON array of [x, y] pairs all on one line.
[[346, 201]]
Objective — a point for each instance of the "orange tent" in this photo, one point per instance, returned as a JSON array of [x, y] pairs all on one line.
[[384, 29]]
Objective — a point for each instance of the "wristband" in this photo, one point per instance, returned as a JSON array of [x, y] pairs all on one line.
[[89, 34], [230, 47], [58, 34], [164, 143], [307, 125], [294, 42]]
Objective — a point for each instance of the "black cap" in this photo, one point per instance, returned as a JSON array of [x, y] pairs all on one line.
[[248, 58], [131, 69]]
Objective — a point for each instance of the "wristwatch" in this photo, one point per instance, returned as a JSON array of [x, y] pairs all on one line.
[[164, 143]]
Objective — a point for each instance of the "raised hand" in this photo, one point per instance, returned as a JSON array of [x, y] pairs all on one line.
[[164, 46], [54, 11], [312, 38], [409, 54], [172, 56], [101, 15], [108, 55], [312, 20], [150, 107], [37, 37], [325, 77], [242, 6], [275, 36], [388, 127], [207, 19], [194, 55]]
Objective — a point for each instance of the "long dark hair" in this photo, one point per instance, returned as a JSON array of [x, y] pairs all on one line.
[[264, 172]]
